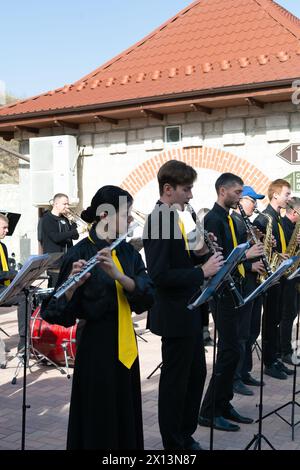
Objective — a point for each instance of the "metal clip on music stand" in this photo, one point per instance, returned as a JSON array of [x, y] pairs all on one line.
[[223, 276], [261, 290], [33, 267]]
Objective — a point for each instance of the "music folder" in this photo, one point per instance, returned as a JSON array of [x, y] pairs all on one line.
[[270, 281], [222, 275]]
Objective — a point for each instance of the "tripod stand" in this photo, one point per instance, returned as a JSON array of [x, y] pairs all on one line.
[[293, 401], [257, 439]]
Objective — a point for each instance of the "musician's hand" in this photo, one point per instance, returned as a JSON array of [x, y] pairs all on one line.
[[212, 266], [298, 238], [274, 242], [255, 251], [284, 256], [106, 263], [76, 268], [259, 235], [258, 267]]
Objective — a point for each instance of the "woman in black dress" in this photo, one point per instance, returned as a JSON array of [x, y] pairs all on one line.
[[105, 409]]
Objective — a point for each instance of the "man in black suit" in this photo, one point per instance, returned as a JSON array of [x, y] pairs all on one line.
[[216, 403], [279, 194], [290, 295], [174, 270]]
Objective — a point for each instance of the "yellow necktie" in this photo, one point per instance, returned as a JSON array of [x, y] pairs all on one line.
[[4, 263], [182, 229], [127, 342], [282, 238], [235, 243]]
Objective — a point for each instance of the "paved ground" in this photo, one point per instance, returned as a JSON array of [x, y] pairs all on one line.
[[48, 393]]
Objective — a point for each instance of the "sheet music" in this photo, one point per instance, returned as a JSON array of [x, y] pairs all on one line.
[[33, 267]]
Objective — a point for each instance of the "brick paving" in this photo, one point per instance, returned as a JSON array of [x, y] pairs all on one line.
[[48, 393]]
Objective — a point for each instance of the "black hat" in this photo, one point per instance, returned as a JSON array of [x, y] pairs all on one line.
[[13, 219]]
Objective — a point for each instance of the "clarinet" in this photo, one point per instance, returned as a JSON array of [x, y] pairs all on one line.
[[71, 281], [255, 239], [237, 297]]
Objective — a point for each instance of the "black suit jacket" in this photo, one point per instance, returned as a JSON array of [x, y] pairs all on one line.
[[173, 272]]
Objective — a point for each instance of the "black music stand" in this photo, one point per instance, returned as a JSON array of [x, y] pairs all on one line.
[[262, 290], [296, 360], [33, 267], [210, 292]]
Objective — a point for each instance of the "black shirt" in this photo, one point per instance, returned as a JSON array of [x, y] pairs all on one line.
[[261, 223], [288, 227], [56, 233]]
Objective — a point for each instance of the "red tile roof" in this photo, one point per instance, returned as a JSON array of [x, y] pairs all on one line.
[[211, 44]]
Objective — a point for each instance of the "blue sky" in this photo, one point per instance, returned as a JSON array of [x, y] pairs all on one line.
[[45, 45]]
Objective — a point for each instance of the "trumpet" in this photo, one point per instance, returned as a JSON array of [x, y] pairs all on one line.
[[139, 217], [73, 217]]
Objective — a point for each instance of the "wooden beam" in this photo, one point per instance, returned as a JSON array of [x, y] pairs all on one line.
[[255, 102], [71, 125], [106, 119], [32, 130], [199, 107], [7, 135], [153, 114]]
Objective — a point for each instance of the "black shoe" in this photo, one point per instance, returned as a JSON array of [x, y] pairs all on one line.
[[233, 415], [220, 423], [289, 359], [274, 372], [191, 444], [280, 366], [249, 380], [240, 388]]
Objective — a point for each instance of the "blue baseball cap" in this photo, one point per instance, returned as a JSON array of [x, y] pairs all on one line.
[[249, 191]]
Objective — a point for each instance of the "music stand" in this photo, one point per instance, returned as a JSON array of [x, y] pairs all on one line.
[[34, 266], [296, 360], [261, 290], [210, 292]]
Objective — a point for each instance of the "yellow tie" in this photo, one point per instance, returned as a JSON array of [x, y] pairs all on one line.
[[235, 243], [4, 263], [127, 342], [282, 238], [182, 229]]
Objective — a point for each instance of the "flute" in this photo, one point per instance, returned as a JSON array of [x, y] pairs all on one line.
[[91, 263]]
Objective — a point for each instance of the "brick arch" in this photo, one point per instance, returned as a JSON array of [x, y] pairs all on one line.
[[204, 157]]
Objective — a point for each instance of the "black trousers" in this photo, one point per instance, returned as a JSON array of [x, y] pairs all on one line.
[[254, 334], [221, 386], [271, 319], [181, 386], [289, 310], [243, 334]]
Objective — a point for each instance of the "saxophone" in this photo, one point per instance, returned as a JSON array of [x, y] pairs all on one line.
[[268, 246], [293, 249]]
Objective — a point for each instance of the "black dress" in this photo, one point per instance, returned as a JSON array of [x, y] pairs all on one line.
[[105, 409]]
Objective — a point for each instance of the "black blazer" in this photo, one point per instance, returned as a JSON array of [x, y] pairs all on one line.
[[261, 223], [173, 272]]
